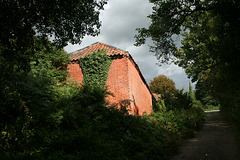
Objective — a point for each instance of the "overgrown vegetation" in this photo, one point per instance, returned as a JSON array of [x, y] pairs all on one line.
[[183, 110], [210, 48], [42, 116], [45, 117], [95, 67]]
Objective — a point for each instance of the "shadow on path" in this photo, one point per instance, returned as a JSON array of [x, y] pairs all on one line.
[[214, 142]]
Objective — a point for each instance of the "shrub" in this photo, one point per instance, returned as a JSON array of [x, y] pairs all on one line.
[[58, 120], [177, 100]]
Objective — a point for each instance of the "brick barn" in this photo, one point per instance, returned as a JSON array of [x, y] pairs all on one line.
[[125, 79]]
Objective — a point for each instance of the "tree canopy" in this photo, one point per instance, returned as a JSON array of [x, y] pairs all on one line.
[[26, 27], [210, 46], [209, 29], [161, 85], [173, 17], [33, 69], [64, 21]]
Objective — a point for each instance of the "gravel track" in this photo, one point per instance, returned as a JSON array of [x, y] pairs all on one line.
[[214, 142]]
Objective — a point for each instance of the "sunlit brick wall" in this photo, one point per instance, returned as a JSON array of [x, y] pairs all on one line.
[[124, 82], [117, 81], [75, 71], [141, 98]]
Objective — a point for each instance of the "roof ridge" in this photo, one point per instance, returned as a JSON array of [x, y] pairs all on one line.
[[102, 44], [84, 47], [111, 50]]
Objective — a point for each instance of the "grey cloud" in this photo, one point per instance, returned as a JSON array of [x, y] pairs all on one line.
[[119, 22], [122, 18]]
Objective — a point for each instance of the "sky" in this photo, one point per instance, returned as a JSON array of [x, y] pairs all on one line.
[[120, 18]]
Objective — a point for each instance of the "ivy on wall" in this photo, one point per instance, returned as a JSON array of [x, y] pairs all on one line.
[[95, 68]]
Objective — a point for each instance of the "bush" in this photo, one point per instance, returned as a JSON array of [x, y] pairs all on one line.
[[51, 119], [82, 127], [177, 100], [180, 115], [179, 123]]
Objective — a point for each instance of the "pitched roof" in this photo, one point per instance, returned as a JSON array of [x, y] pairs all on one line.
[[111, 50]]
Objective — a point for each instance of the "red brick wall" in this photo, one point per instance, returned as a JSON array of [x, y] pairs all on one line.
[[124, 82], [117, 81], [75, 71], [141, 98]]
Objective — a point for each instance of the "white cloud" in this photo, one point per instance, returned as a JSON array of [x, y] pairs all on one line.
[[119, 22], [170, 70]]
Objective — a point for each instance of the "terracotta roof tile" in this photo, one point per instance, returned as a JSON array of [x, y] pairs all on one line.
[[111, 50]]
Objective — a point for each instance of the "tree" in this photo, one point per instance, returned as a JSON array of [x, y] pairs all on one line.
[[32, 68], [64, 21], [29, 99], [210, 46], [25, 29], [191, 92], [204, 97], [162, 85]]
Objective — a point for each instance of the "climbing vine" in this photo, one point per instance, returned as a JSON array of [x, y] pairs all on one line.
[[95, 68]]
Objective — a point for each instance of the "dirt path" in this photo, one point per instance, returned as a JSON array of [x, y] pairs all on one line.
[[214, 142]]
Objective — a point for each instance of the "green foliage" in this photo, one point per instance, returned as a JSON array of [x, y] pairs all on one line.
[[162, 85], [82, 127], [22, 22], [31, 68], [61, 121], [30, 98], [210, 52], [210, 108], [160, 105], [25, 26], [66, 21], [204, 96], [232, 115], [180, 122], [210, 47], [180, 115], [177, 100], [95, 68], [44, 117], [191, 92]]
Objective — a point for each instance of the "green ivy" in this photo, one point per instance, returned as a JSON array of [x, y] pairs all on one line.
[[95, 68]]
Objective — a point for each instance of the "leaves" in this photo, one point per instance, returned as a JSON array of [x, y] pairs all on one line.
[[162, 85], [168, 20], [209, 51], [64, 21], [95, 67]]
